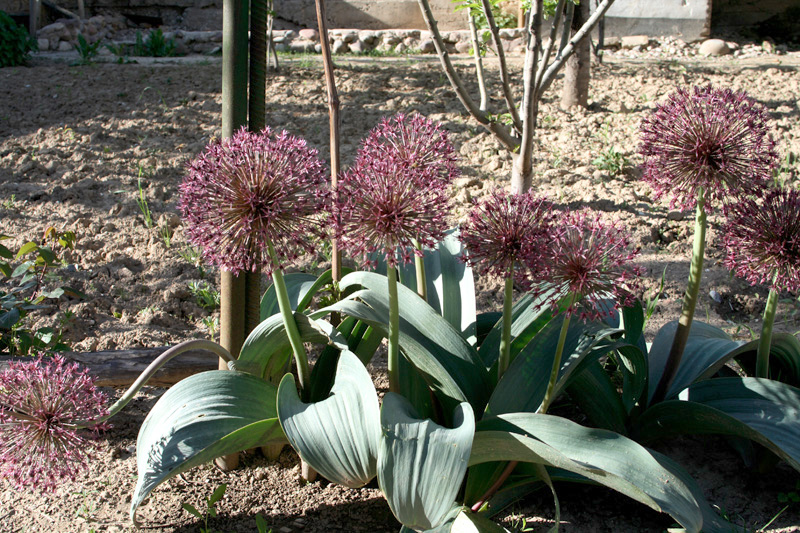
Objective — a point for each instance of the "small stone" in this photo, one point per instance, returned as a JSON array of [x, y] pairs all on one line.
[[64, 46], [675, 215], [768, 46], [463, 47], [714, 47], [714, 295], [43, 44], [309, 34], [339, 47], [427, 46], [632, 41], [358, 47]]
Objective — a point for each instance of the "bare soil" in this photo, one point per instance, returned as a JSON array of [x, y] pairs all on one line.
[[76, 143]]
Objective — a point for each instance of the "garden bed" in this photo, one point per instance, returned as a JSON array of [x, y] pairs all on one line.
[[80, 147]]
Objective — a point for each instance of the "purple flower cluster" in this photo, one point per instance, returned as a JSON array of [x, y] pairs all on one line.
[[40, 403], [762, 239], [507, 231], [396, 193], [590, 259], [253, 190], [570, 254], [709, 139]]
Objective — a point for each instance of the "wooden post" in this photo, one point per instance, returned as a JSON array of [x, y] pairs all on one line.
[[35, 7]]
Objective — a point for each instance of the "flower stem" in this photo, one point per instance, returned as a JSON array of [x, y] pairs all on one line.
[[562, 339], [299, 351], [504, 359], [394, 331], [689, 301], [762, 359], [158, 362], [419, 266]]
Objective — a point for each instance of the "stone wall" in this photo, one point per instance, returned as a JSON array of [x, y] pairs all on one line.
[[779, 19]]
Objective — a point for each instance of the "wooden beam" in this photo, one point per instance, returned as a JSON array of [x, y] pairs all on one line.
[[120, 368]]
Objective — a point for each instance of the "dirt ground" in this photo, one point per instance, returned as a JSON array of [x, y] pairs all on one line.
[[76, 142]]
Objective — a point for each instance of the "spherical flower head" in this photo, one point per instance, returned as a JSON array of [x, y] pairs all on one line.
[[762, 239], [410, 145], [40, 404], [713, 139], [252, 190], [505, 232], [589, 261], [395, 196]]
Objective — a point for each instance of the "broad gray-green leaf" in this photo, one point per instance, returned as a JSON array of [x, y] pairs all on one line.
[[462, 520], [266, 351], [762, 410], [530, 370], [448, 362], [421, 464], [338, 436], [298, 287], [205, 416], [599, 455]]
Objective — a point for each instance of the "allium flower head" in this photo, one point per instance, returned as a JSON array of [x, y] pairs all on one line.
[[590, 259], [504, 231], [40, 402], [715, 139], [396, 192], [762, 239], [250, 190], [410, 145]]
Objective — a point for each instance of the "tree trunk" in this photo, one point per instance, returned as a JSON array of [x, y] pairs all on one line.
[[576, 72], [521, 173]]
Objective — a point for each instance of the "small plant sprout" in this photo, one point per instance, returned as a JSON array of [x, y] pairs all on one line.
[[205, 294], [394, 201], [255, 201], [762, 238], [141, 201], [704, 147], [211, 508]]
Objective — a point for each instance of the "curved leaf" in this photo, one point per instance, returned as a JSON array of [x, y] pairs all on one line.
[[455, 287], [599, 455], [421, 464], [298, 287], [428, 341], [594, 392], [338, 436], [266, 351], [784, 358], [530, 370], [762, 410], [205, 416]]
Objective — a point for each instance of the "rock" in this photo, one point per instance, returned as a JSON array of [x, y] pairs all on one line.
[[309, 34], [43, 44], [675, 215], [714, 295], [632, 41], [400, 48], [339, 47], [427, 46], [358, 47], [714, 47], [768, 46], [64, 46], [463, 47]]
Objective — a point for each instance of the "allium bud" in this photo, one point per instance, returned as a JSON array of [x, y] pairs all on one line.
[[762, 239], [395, 194], [40, 404], [507, 230], [251, 190], [589, 259], [713, 139]]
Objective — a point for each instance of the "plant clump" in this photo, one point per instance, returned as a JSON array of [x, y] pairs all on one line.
[[15, 43]]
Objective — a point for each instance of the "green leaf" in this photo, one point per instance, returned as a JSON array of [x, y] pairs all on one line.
[[763, 410], [301, 289], [448, 362], [599, 455], [205, 416], [9, 318], [338, 436], [421, 464], [217, 494], [462, 520], [6, 253], [26, 248], [189, 508], [594, 392], [21, 269]]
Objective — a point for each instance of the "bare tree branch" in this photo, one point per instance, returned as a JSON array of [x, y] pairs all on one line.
[[501, 58], [549, 48], [551, 71], [499, 131], [476, 49], [520, 179]]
